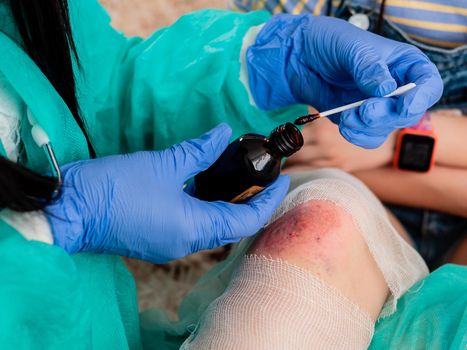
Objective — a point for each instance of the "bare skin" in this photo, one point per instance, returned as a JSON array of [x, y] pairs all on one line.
[[399, 228], [322, 238]]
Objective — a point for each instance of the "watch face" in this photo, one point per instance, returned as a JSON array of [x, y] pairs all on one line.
[[416, 152]]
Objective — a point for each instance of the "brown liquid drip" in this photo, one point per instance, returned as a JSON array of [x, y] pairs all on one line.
[[307, 119]]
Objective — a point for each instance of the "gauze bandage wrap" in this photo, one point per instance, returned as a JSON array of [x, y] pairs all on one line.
[[272, 304]]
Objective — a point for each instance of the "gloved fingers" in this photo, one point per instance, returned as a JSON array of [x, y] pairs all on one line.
[[356, 132], [327, 96], [414, 103], [383, 124], [232, 222], [381, 113], [370, 72], [195, 155], [303, 88], [375, 113], [410, 65]]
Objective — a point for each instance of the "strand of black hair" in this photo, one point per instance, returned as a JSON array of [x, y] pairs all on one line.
[[46, 35]]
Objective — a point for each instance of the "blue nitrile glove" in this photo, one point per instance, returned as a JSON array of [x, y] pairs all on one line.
[[327, 62], [134, 205]]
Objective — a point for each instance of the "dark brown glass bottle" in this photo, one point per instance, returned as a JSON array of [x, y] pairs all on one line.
[[248, 165]]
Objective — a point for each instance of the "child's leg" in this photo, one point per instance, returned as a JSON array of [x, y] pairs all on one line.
[[317, 277]]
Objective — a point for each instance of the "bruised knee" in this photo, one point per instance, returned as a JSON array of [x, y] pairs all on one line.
[[322, 238], [317, 232]]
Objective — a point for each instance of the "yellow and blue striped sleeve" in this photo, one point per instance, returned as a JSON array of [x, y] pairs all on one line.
[[438, 23], [316, 7], [433, 22]]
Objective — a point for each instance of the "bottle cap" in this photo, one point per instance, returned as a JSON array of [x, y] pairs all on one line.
[[286, 139]]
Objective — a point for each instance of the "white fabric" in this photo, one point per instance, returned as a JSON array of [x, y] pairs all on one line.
[[10, 115], [248, 40], [272, 304], [32, 225]]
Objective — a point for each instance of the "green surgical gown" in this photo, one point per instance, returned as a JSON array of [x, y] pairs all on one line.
[[134, 94]]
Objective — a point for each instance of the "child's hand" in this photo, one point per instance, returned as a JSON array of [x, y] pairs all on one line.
[[325, 147]]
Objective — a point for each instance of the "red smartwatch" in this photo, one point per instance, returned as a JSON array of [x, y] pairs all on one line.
[[416, 146]]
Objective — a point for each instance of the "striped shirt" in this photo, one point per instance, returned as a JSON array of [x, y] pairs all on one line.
[[433, 22]]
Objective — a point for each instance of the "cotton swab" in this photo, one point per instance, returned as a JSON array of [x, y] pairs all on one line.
[[310, 117]]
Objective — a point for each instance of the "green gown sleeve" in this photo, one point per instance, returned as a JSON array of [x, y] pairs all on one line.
[[174, 85], [51, 300]]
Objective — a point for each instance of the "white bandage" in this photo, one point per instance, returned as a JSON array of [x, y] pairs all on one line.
[[271, 304]]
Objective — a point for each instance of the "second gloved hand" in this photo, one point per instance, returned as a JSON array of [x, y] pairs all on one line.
[[134, 205], [327, 62]]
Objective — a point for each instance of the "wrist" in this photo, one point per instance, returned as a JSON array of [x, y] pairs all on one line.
[[391, 145], [66, 223], [383, 155]]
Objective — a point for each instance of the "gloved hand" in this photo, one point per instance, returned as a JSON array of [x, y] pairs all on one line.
[[327, 62], [134, 205]]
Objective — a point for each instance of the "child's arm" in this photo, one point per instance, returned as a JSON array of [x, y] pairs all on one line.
[[451, 128], [443, 189]]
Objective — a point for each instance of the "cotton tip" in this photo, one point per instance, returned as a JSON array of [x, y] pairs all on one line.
[[39, 136], [399, 91]]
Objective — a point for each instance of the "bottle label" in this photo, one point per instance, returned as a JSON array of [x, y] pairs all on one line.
[[250, 192]]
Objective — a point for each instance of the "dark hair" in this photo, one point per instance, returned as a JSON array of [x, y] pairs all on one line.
[[23, 190], [380, 22], [45, 30]]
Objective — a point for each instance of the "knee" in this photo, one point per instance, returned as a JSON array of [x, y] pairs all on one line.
[[317, 233], [322, 238]]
